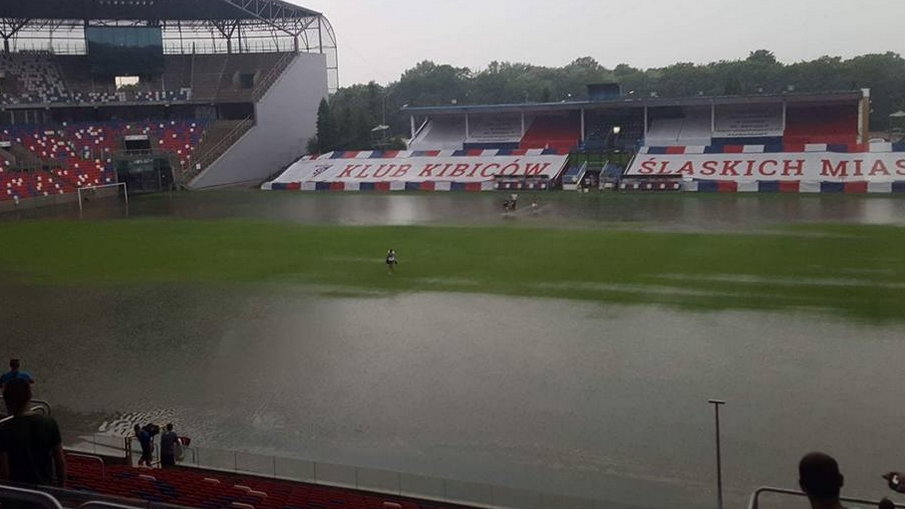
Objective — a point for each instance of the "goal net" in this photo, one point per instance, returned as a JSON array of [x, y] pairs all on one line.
[[106, 194]]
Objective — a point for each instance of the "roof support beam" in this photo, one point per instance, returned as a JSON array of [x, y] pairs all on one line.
[[9, 28], [226, 29], [266, 11]]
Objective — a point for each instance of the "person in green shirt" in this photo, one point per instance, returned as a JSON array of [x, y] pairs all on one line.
[[31, 450]]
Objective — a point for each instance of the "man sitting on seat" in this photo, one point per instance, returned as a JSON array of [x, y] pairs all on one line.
[[31, 450], [819, 478]]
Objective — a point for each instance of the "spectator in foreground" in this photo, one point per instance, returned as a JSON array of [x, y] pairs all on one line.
[[31, 449], [820, 479], [14, 372], [168, 447], [144, 439]]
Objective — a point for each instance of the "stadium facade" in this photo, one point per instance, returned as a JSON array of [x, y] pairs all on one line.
[[789, 142], [156, 93]]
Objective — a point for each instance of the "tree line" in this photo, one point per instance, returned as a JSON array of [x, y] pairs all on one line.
[[349, 118]]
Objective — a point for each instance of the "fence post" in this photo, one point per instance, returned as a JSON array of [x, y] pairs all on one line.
[[236, 461]]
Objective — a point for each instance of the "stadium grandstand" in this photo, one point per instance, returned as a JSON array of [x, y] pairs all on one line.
[[628, 122], [789, 142], [101, 474], [156, 94]]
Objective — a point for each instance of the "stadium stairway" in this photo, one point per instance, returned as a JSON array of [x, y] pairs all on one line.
[[209, 490], [214, 143], [259, 65]]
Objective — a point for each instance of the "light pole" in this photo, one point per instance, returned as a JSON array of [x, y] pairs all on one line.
[[719, 460]]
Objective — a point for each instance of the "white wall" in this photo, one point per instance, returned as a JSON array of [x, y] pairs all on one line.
[[286, 119]]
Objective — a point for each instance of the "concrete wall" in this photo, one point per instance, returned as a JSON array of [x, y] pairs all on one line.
[[54, 199], [286, 117]]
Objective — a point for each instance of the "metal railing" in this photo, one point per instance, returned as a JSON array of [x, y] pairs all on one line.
[[95, 504], [386, 482], [50, 498], [754, 500], [38, 498], [475, 494], [270, 78], [93, 459], [103, 444], [38, 406], [197, 165]]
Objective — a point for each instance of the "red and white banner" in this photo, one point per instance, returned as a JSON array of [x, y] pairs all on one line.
[[801, 166], [464, 169]]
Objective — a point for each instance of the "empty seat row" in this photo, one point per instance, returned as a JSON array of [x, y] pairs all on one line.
[[207, 490]]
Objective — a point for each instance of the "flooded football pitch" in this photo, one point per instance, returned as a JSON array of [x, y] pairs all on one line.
[[560, 209], [596, 400]]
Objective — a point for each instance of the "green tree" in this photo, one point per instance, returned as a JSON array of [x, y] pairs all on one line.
[[326, 128], [357, 109]]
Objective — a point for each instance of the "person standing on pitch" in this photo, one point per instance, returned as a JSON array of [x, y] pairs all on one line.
[[391, 260]]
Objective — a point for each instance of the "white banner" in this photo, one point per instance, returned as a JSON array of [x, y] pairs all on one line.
[[746, 121], [806, 166], [495, 129], [422, 169]]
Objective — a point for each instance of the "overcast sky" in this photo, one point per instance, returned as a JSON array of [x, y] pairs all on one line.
[[378, 39]]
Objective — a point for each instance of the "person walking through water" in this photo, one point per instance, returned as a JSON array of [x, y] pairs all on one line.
[[391, 260]]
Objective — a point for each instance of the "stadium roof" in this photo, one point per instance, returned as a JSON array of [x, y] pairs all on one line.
[[628, 102], [162, 10]]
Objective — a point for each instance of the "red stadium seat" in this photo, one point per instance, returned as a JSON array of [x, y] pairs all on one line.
[[206, 490], [80, 155]]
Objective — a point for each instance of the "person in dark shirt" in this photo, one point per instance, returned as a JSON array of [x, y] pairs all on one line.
[[31, 450], [391, 260], [14, 372], [168, 447], [820, 479], [144, 439]]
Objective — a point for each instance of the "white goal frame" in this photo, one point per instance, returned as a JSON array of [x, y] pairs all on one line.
[[104, 186]]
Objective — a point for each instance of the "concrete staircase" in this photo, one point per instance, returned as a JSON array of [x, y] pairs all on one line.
[[218, 137]]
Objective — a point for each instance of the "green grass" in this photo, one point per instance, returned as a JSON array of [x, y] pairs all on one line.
[[857, 271]]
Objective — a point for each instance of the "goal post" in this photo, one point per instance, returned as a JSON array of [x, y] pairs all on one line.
[[83, 192]]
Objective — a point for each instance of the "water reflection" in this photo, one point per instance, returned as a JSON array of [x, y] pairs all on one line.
[[601, 401], [682, 211]]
